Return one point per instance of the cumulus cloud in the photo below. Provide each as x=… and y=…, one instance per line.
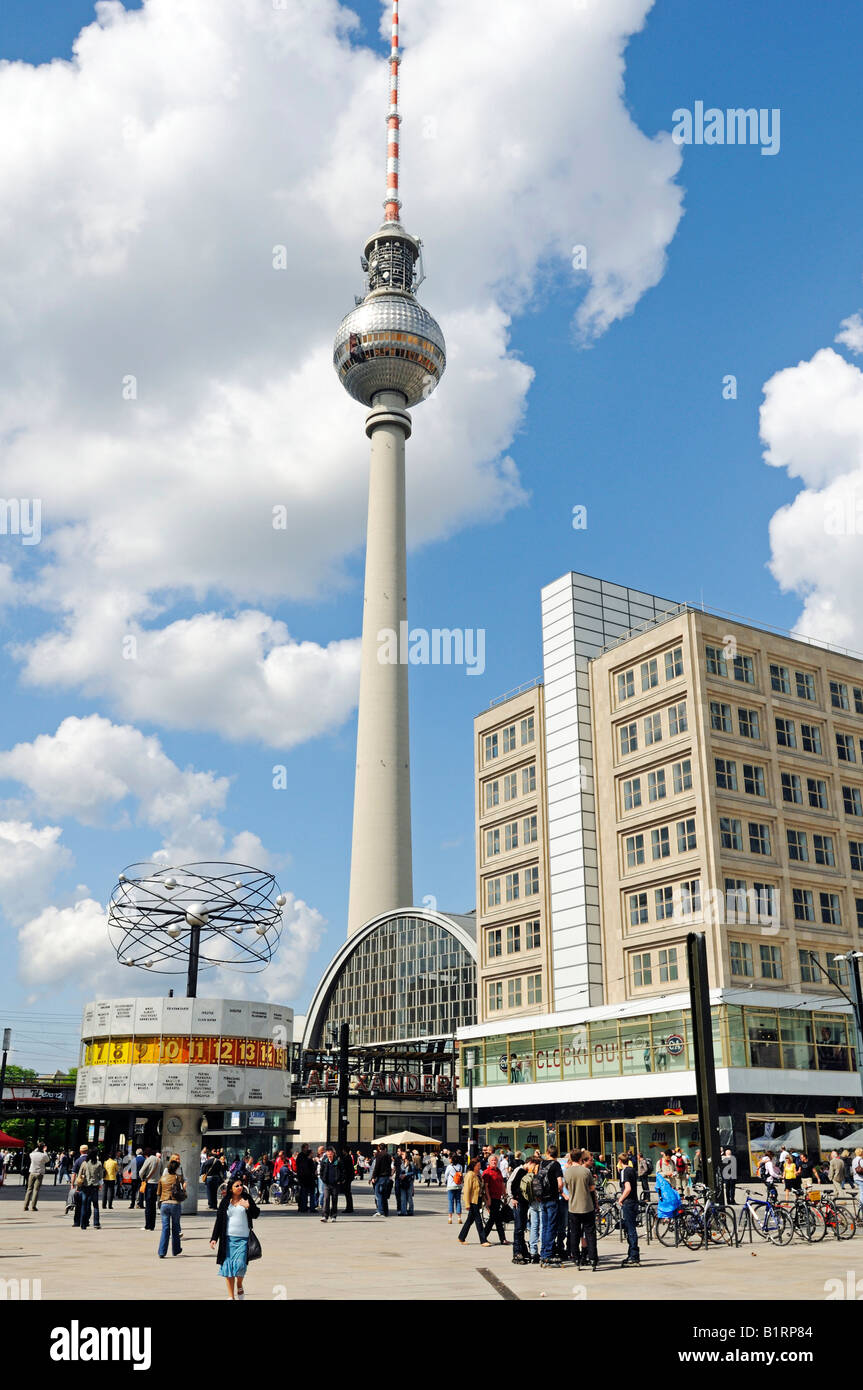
x=851, y=333
x=30, y=859
x=812, y=426
x=147, y=184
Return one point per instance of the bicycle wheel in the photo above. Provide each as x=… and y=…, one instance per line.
x=809, y=1222
x=693, y=1230
x=605, y=1221
x=778, y=1227
x=818, y=1228
x=720, y=1226
x=665, y=1230
x=845, y=1224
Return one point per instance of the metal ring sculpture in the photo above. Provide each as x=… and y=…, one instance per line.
x=231, y=912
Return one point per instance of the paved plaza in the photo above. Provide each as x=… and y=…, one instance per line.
x=401, y=1258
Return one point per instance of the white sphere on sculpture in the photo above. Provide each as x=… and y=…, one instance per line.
x=196, y=915
x=170, y=883
x=281, y=900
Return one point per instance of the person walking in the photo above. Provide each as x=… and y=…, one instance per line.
x=381, y=1180
x=729, y=1175
x=64, y=1167
x=349, y=1172
x=306, y=1179
x=836, y=1171
x=151, y=1171
x=473, y=1199
x=331, y=1180
x=172, y=1194
x=408, y=1178
x=519, y=1203
x=547, y=1186
x=38, y=1164
x=109, y=1187
x=76, y=1187
x=628, y=1203
x=580, y=1186
x=214, y=1176
x=494, y=1190
x=135, y=1165
x=265, y=1178
x=454, y=1179
x=231, y=1235
x=90, y=1177
x=644, y=1170
x=857, y=1175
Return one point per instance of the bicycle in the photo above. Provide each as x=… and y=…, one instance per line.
x=768, y=1219
x=837, y=1219
x=806, y=1218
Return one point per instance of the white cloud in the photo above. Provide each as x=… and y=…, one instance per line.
x=30, y=859
x=64, y=946
x=851, y=333
x=147, y=184
x=812, y=425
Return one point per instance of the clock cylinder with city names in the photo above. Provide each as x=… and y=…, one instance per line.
x=205, y=1053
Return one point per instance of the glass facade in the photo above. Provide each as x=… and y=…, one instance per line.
x=410, y=978
x=798, y=1040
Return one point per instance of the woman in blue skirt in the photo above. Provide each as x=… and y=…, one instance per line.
x=230, y=1237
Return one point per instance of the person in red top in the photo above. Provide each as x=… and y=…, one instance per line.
x=277, y=1166
x=495, y=1192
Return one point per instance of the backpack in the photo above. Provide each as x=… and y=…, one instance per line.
x=680, y=1163
x=857, y=1166
x=458, y=1177
x=526, y=1187
x=541, y=1187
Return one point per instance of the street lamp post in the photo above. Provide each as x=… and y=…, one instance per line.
x=856, y=1001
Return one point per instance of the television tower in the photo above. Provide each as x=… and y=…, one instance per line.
x=389, y=354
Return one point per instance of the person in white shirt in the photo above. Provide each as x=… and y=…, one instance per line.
x=38, y=1164
x=503, y=1165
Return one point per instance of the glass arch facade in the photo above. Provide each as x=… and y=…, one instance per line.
x=408, y=978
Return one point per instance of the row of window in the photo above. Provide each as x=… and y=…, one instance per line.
x=506, y=788
x=811, y=741
x=758, y=840
x=656, y=784
x=643, y=969
x=635, y=846
x=522, y=883
x=814, y=967
x=783, y=680
x=649, y=675
x=739, y=904
x=652, y=726
x=681, y=900
x=515, y=936
x=525, y=989
x=504, y=741
x=501, y=839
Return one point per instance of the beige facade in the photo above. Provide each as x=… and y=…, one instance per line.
x=729, y=784
x=513, y=921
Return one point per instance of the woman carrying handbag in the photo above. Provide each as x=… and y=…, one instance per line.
x=172, y=1194
x=233, y=1239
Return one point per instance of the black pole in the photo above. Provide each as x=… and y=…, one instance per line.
x=857, y=992
x=344, y=1038
x=7, y=1043
x=705, y=1065
x=194, y=947
x=470, y=1107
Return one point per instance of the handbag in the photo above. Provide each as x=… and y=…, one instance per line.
x=254, y=1252
x=143, y=1188
x=178, y=1191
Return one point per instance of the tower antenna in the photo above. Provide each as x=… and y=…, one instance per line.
x=392, y=203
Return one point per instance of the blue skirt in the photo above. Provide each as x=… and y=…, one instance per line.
x=237, y=1258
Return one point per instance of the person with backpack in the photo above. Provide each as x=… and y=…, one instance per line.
x=519, y=1203
x=547, y=1187
x=172, y=1195
x=645, y=1168
x=628, y=1203
x=681, y=1166
x=473, y=1199
x=454, y=1179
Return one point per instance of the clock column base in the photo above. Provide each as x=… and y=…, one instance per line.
x=181, y=1134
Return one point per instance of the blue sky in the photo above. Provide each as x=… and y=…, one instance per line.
x=765, y=264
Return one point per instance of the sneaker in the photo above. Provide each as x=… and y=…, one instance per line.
x=631, y=1264
x=241, y=1293
x=377, y=1215
x=323, y=1219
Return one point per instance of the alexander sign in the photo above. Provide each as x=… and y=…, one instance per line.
x=382, y=1082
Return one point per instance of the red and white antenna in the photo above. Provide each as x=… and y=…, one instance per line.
x=393, y=203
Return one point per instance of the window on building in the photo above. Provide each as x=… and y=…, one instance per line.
x=858, y=699
x=730, y=833
x=491, y=747
x=759, y=838
x=804, y=908
x=652, y=729
x=528, y=779
x=534, y=989
x=513, y=938
x=510, y=786
x=736, y=907
x=682, y=775
x=494, y=945
x=677, y=723
x=511, y=835
x=492, y=794
x=744, y=669
x=531, y=881
x=492, y=842
x=492, y=892
x=686, y=835
x=495, y=995
x=649, y=674
x=720, y=717
x=625, y=685
x=513, y=994
x=825, y=854
x=632, y=794
x=839, y=695
x=716, y=665
x=753, y=780
x=641, y=970
x=817, y=792
x=509, y=738
x=528, y=731
x=637, y=909
x=726, y=774
x=845, y=750
x=810, y=971
x=690, y=897
x=810, y=737
x=852, y=800
x=837, y=971
x=529, y=830
x=531, y=934
x=748, y=722
x=765, y=901
x=668, y=964
x=659, y=843
x=634, y=851
x=804, y=683
x=856, y=849
x=512, y=887
x=785, y=734
x=628, y=739
x=741, y=958
x=831, y=911
x=674, y=663
x=771, y=962
x=656, y=785
x=664, y=902
x=798, y=848
x=791, y=789
x=858, y=904
x=780, y=679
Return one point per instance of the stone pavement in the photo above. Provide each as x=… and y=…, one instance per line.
x=401, y=1258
